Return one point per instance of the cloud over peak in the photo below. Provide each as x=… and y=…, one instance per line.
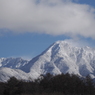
x=54, y=17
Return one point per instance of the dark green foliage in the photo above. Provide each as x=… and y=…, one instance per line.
x=13, y=87
x=2, y=88
x=64, y=84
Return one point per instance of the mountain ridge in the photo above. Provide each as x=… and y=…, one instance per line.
x=14, y=63
x=60, y=57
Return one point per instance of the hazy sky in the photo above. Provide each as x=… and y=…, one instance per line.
x=28, y=27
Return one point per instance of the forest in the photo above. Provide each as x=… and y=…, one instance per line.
x=64, y=84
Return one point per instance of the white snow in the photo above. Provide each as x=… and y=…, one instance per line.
x=60, y=57
x=63, y=57
x=14, y=63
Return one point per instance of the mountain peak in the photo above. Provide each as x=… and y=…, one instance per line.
x=60, y=57
x=64, y=57
x=66, y=44
x=62, y=43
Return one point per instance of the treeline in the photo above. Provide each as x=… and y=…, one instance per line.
x=64, y=84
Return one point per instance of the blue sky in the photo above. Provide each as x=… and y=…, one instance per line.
x=89, y=2
x=27, y=31
x=26, y=45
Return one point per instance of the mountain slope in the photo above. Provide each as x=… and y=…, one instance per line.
x=14, y=63
x=7, y=73
x=62, y=57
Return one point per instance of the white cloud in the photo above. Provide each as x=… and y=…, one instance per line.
x=78, y=43
x=55, y=17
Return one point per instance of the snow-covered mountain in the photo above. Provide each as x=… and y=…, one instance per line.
x=60, y=57
x=14, y=63
x=63, y=57
x=7, y=73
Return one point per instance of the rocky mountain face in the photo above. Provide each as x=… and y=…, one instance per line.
x=60, y=57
